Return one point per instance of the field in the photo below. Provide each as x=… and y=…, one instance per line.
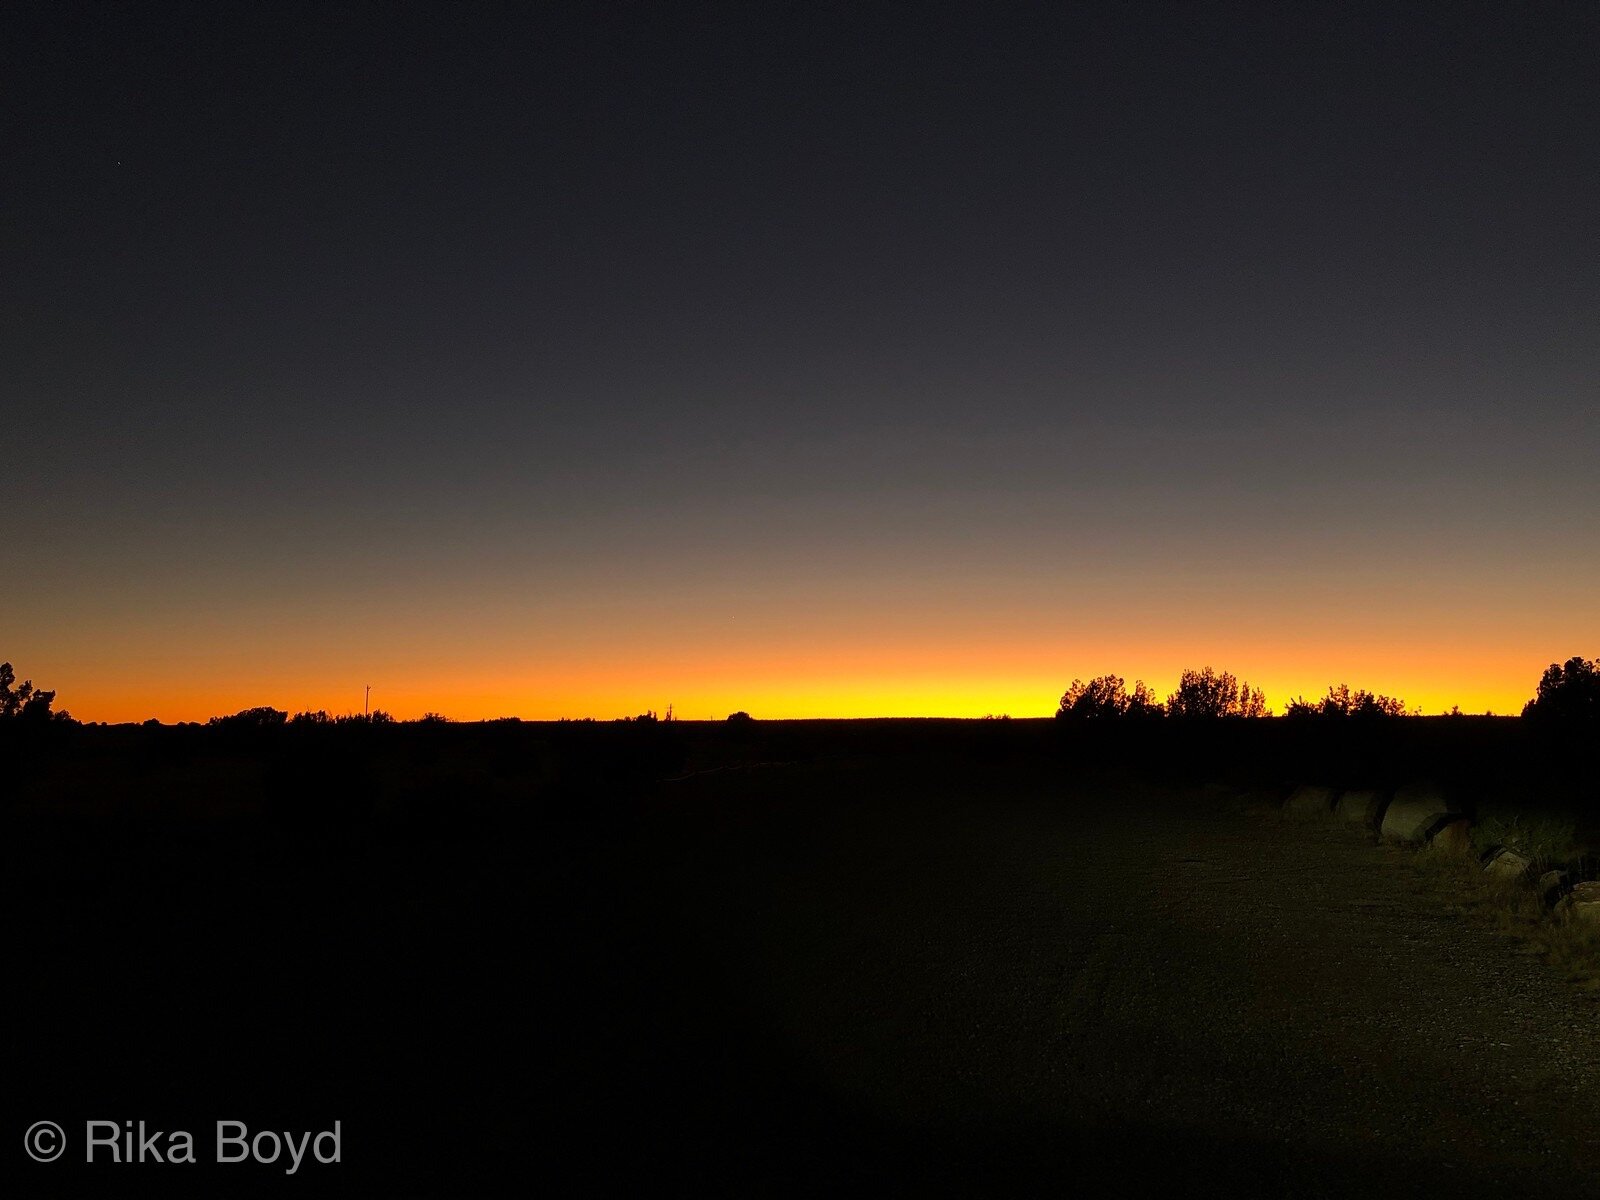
x=783, y=958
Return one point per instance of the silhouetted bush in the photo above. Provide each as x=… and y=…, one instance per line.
x=740, y=718
x=1546, y=839
x=1105, y=696
x=1567, y=692
x=1207, y=694
x=264, y=717
x=1342, y=702
x=26, y=703
x=376, y=717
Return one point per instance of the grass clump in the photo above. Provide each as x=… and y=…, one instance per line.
x=1547, y=841
x=1514, y=909
x=1574, y=949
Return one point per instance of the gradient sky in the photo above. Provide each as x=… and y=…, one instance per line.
x=816, y=360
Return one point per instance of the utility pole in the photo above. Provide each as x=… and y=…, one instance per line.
x=366, y=708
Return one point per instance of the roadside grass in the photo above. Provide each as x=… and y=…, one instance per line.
x=1260, y=801
x=1515, y=910
x=1546, y=841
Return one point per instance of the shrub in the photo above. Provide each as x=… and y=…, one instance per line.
x=1569, y=691
x=1207, y=694
x=26, y=703
x=1106, y=696
x=1342, y=702
x=1547, y=840
x=376, y=717
x=264, y=717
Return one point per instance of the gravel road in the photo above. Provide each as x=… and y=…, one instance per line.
x=884, y=976
x=986, y=985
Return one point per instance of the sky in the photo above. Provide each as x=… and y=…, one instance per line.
x=812, y=360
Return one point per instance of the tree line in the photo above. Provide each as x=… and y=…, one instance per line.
x=1565, y=692
x=1201, y=694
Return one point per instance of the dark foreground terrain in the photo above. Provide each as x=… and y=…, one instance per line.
x=894, y=958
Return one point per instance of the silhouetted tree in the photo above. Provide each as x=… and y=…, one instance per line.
x=1102, y=696
x=376, y=717
x=1208, y=694
x=740, y=718
x=1142, y=702
x=1569, y=691
x=264, y=717
x=1106, y=696
x=1341, y=701
x=26, y=702
x=320, y=717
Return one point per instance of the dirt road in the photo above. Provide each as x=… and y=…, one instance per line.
x=884, y=975
x=980, y=989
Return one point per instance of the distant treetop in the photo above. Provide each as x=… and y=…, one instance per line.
x=267, y=717
x=1341, y=701
x=1104, y=697
x=1208, y=694
x=263, y=717
x=25, y=703
x=1568, y=691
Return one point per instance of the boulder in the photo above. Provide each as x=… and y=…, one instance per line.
x=1552, y=886
x=1416, y=813
x=1582, y=904
x=1508, y=864
x=1360, y=807
x=1455, y=838
x=1308, y=802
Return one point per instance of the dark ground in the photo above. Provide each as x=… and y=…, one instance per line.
x=909, y=959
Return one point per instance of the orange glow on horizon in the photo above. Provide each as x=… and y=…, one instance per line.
x=961, y=684
x=958, y=646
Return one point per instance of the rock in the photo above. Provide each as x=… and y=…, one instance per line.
x=1455, y=838
x=1310, y=802
x=1552, y=886
x=1360, y=807
x=1508, y=864
x=1582, y=904
x=1416, y=813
